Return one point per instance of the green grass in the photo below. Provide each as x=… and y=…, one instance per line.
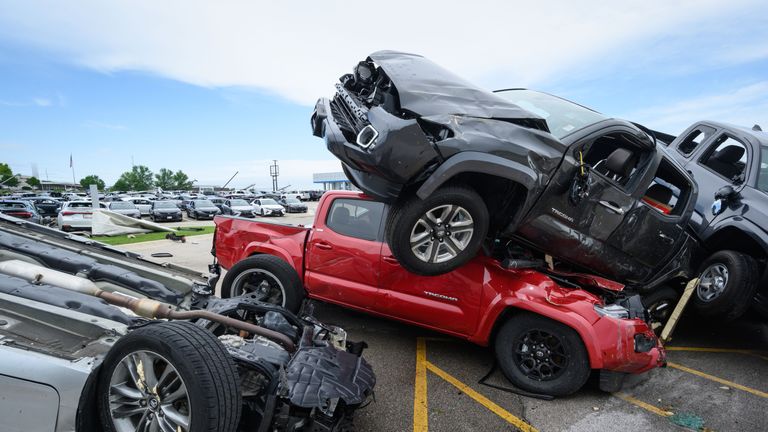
x=138, y=238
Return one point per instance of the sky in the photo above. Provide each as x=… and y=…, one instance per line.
x=214, y=88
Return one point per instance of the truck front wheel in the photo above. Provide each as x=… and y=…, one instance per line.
x=727, y=284
x=541, y=355
x=270, y=278
x=438, y=234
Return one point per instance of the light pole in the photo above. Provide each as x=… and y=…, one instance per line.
x=274, y=171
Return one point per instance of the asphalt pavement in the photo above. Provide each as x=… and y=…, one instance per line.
x=717, y=377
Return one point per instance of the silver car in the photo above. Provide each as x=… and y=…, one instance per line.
x=92, y=338
x=125, y=208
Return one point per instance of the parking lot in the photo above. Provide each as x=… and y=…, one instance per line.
x=716, y=378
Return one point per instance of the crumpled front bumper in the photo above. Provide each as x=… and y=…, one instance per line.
x=400, y=152
x=628, y=346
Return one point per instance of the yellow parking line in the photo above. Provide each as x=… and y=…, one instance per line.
x=717, y=350
x=484, y=401
x=718, y=379
x=420, y=417
x=646, y=406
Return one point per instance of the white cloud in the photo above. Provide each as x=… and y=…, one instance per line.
x=102, y=125
x=42, y=102
x=744, y=106
x=298, y=49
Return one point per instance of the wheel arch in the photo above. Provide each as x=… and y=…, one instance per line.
x=491, y=177
x=266, y=249
x=737, y=238
x=571, y=320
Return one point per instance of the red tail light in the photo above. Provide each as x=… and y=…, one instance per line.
x=21, y=214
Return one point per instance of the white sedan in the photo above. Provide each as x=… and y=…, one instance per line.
x=76, y=215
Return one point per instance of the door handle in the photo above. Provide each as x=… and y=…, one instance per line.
x=612, y=207
x=666, y=238
x=325, y=246
x=390, y=259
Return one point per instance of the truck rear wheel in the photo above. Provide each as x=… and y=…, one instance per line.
x=727, y=284
x=267, y=276
x=439, y=234
x=541, y=355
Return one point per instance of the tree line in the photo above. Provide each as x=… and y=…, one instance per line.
x=138, y=178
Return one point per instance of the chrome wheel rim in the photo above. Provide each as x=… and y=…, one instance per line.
x=147, y=393
x=260, y=285
x=712, y=282
x=442, y=233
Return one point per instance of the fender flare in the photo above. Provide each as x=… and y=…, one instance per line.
x=265, y=249
x=579, y=324
x=477, y=162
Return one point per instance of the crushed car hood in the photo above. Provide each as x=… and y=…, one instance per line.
x=428, y=89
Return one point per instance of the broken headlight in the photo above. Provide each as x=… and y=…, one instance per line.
x=612, y=310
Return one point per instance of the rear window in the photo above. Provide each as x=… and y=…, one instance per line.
x=698, y=136
x=356, y=218
x=121, y=205
x=12, y=206
x=79, y=205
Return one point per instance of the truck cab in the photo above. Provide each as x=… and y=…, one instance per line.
x=730, y=166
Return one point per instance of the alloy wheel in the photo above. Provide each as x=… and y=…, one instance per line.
x=147, y=393
x=441, y=233
x=712, y=282
x=261, y=285
x=540, y=355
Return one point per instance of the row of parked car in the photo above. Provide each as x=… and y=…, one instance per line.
x=77, y=214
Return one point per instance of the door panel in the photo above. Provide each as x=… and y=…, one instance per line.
x=343, y=267
x=450, y=301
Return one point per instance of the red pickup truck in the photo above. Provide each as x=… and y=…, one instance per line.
x=549, y=329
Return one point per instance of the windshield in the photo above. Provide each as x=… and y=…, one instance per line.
x=203, y=203
x=166, y=204
x=292, y=201
x=762, y=176
x=122, y=205
x=238, y=202
x=562, y=116
x=268, y=201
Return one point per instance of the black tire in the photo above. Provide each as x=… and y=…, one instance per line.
x=407, y=214
x=199, y=359
x=563, y=342
x=660, y=303
x=275, y=271
x=739, y=288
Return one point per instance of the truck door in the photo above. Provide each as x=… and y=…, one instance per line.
x=447, y=302
x=655, y=226
x=580, y=209
x=724, y=161
x=343, y=253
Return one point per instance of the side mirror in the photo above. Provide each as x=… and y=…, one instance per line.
x=723, y=197
x=725, y=193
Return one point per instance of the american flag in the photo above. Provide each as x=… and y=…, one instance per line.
x=70, y=160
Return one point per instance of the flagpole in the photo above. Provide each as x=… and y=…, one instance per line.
x=72, y=165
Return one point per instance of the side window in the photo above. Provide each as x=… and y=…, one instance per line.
x=727, y=157
x=670, y=190
x=614, y=156
x=355, y=218
x=698, y=136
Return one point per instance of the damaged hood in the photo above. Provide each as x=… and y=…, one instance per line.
x=428, y=89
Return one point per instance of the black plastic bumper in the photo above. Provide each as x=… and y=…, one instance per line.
x=400, y=153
